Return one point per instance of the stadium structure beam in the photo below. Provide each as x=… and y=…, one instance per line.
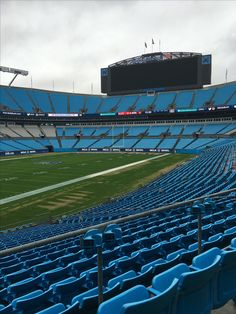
x=102, y=226
x=13, y=71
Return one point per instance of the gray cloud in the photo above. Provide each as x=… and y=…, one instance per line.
x=68, y=41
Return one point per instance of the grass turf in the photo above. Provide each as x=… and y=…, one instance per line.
x=26, y=174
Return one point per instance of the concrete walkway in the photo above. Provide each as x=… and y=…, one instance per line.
x=65, y=183
x=228, y=308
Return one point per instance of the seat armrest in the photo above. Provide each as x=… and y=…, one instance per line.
x=153, y=291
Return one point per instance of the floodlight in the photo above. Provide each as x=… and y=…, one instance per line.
x=13, y=71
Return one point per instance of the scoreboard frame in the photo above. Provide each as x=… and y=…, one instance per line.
x=163, y=61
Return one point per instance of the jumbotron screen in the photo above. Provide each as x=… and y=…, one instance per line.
x=167, y=74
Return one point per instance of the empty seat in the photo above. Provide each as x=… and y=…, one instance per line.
x=18, y=276
x=6, y=309
x=82, y=265
x=121, y=278
x=194, y=294
x=127, y=264
x=34, y=301
x=55, y=275
x=45, y=266
x=23, y=287
x=225, y=288
x=65, y=290
x=11, y=269
x=79, y=298
x=233, y=244
x=144, y=278
x=69, y=258
x=54, y=309
x=115, y=304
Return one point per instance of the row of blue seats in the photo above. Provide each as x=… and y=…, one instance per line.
x=32, y=258
x=143, y=249
x=15, y=98
x=170, y=187
x=21, y=132
x=35, y=233
x=49, y=272
x=190, y=144
x=154, y=227
x=208, y=283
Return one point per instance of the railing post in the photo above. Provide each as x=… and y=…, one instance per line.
x=198, y=209
x=100, y=274
x=199, y=233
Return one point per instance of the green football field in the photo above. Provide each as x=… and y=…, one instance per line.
x=24, y=174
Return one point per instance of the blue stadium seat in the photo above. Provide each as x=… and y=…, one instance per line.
x=195, y=293
x=144, y=278
x=44, y=267
x=228, y=235
x=34, y=301
x=54, y=309
x=92, y=275
x=17, y=276
x=223, y=286
x=79, y=298
x=115, y=305
x=55, y=275
x=6, y=309
x=65, y=290
x=11, y=269
x=23, y=287
x=127, y=264
x=121, y=278
x=233, y=244
x=109, y=255
x=161, y=303
x=71, y=257
x=86, y=263
x=213, y=241
x=89, y=301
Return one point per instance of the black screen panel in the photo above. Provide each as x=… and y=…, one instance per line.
x=167, y=73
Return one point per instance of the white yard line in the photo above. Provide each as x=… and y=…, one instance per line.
x=61, y=184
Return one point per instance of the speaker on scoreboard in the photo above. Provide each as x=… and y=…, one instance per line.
x=104, y=80
x=206, y=69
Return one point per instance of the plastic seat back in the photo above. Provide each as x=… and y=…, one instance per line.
x=31, y=303
x=225, y=287
x=142, y=279
x=119, y=279
x=114, y=305
x=195, y=290
x=163, y=303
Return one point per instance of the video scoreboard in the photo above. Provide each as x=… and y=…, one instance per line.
x=156, y=72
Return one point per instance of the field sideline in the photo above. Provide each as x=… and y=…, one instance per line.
x=27, y=174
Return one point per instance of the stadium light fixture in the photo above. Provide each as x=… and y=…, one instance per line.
x=13, y=71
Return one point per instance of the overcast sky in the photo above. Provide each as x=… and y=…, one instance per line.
x=70, y=40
